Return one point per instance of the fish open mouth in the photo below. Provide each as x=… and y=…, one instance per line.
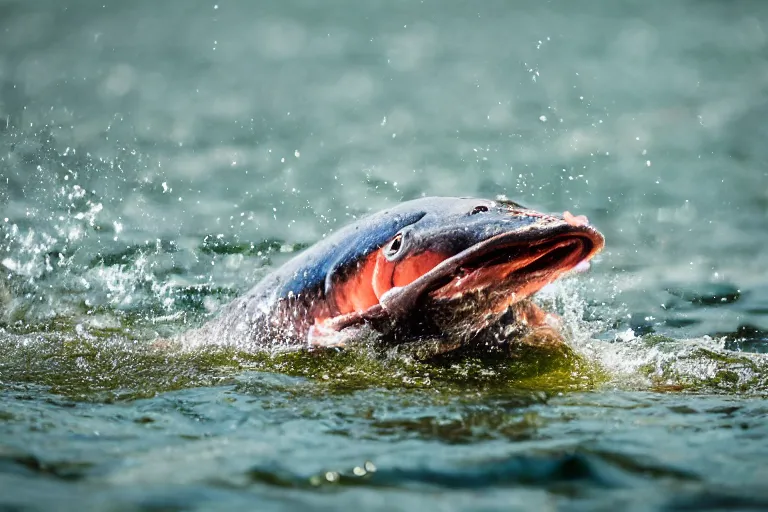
x=523, y=268
x=515, y=264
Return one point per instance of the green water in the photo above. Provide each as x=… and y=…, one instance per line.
x=158, y=158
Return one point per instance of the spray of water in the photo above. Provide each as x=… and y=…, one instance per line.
x=650, y=361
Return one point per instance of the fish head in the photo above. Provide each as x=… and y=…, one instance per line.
x=476, y=257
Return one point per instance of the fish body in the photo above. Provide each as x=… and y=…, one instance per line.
x=435, y=272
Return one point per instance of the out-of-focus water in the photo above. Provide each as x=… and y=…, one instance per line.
x=157, y=158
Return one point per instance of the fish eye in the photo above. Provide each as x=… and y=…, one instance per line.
x=478, y=209
x=394, y=246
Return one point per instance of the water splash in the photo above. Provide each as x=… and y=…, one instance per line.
x=651, y=361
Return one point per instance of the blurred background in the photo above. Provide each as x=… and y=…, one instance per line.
x=172, y=127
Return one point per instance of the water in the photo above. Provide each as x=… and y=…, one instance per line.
x=157, y=159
